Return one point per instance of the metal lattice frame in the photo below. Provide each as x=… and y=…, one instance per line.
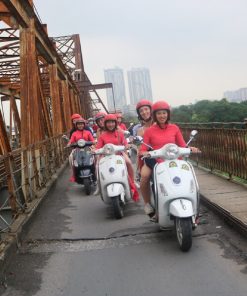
x=69, y=49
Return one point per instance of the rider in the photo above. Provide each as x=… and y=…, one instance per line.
x=99, y=120
x=144, y=112
x=120, y=124
x=78, y=134
x=160, y=133
x=90, y=124
x=74, y=117
x=112, y=135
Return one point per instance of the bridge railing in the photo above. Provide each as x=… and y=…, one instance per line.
x=25, y=174
x=223, y=149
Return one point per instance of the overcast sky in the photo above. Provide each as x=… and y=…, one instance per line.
x=194, y=49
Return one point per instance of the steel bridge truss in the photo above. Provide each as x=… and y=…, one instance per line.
x=40, y=87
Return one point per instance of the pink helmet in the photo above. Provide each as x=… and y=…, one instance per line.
x=75, y=116
x=99, y=115
x=161, y=105
x=80, y=120
x=110, y=117
x=143, y=103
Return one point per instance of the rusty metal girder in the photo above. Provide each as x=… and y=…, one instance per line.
x=26, y=57
x=69, y=49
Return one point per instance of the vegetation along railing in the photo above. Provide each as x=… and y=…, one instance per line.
x=24, y=173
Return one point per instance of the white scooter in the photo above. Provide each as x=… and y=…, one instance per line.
x=113, y=178
x=176, y=192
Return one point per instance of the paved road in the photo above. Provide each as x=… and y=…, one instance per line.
x=75, y=247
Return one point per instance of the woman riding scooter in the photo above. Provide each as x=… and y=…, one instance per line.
x=78, y=134
x=144, y=112
x=121, y=125
x=74, y=118
x=99, y=120
x=160, y=133
x=112, y=135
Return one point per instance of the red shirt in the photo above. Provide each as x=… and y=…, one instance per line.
x=122, y=126
x=78, y=135
x=158, y=137
x=115, y=137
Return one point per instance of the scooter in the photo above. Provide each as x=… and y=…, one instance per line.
x=176, y=192
x=113, y=178
x=83, y=164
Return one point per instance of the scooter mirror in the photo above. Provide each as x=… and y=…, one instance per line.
x=193, y=133
x=126, y=134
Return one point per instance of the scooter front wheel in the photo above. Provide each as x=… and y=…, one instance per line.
x=117, y=207
x=184, y=233
x=87, y=186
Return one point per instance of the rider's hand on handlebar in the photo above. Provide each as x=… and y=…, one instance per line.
x=92, y=149
x=144, y=154
x=195, y=150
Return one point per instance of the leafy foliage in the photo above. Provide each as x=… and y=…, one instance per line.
x=210, y=111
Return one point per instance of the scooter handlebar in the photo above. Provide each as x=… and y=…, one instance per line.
x=109, y=149
x=169, y=151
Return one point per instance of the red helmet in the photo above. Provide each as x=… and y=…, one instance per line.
x=110, y=117
x=119, y=115
x=161, y=105
x=99, y=115
x=80, y=120
x=143, y=103
x=75, y=116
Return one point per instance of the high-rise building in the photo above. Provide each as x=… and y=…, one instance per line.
x=237, y=96
x=139, y=85
x=116, y=77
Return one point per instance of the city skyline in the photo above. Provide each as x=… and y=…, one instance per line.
x=116, y=97
x=139, y=85
x=194, y=49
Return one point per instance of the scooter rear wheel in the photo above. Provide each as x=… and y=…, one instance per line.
x=87, y=186
x=184, y=233
x=117, y=207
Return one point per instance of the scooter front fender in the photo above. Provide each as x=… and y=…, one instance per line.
x=181, y=208
x=115, y=189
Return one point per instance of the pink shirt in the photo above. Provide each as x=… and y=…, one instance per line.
x=115, y=137
x=158, y=137
x=78, y=135
x=122, y=126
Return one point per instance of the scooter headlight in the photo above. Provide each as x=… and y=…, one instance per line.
x=81, y=143
x=108, y=149
x=171, y=151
